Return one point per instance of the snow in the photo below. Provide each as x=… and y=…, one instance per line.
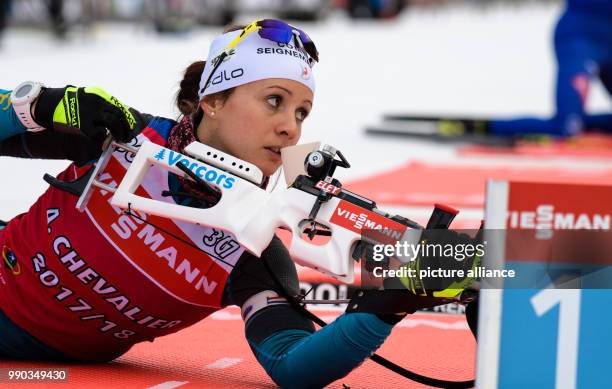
x=457, y=59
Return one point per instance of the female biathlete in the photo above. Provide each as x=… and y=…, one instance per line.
x=87, y=286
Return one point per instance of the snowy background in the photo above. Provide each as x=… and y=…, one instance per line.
x=456, y=60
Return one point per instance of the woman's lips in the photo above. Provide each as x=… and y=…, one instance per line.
x=274, y=152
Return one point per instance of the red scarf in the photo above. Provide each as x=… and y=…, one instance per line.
x=181, y=135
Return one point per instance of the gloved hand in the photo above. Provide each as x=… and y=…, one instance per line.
x=90, y=110
x=447, y=259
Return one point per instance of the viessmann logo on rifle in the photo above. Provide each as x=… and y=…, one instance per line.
x=356, y=219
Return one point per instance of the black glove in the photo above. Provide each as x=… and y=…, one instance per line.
x=449, y=250
x=90, y=110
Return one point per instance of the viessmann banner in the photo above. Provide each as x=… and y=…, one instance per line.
x=546, y=327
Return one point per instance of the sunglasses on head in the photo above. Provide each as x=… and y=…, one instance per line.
x=276, y=31
x=281, y=32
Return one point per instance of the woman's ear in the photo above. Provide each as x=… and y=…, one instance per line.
x=210, y=104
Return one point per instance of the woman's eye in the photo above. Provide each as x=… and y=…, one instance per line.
x=274, y=101
x=301, y=114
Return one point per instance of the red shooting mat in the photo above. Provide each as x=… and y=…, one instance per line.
x=214, y=354
x=588, y=146
x=418, y=183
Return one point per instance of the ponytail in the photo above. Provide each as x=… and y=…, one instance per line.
x=187, y=98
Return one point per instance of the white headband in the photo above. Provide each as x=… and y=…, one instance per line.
x=252, y=59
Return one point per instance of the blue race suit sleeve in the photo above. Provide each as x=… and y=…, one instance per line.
x=300, y=359
x=283, y=340
x=9, y=122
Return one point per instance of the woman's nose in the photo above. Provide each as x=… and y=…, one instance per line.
x=288, y=126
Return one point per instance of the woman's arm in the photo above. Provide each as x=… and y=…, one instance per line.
x=51, y=145
x=283, y=340
x=10, y=124
x=75, y=135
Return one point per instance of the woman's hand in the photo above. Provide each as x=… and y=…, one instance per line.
x=91, y=110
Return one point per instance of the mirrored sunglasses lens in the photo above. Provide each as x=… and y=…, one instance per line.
x=272, y=23
x=281, y=32
x=276, y=34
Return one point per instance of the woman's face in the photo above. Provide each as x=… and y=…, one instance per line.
x=257, y=120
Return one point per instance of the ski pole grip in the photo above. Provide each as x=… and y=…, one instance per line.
x=441, y=217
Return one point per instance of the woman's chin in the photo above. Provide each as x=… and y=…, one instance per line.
x=268, y=171
x=268, y=166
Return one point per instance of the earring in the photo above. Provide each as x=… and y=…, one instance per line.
x=212, y=113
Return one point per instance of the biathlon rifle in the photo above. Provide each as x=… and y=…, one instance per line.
x=315, y=204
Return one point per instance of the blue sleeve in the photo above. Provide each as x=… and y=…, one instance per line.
x=300, y=359
x=9, y=122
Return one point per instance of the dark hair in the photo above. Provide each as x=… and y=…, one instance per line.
x=187, y=98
